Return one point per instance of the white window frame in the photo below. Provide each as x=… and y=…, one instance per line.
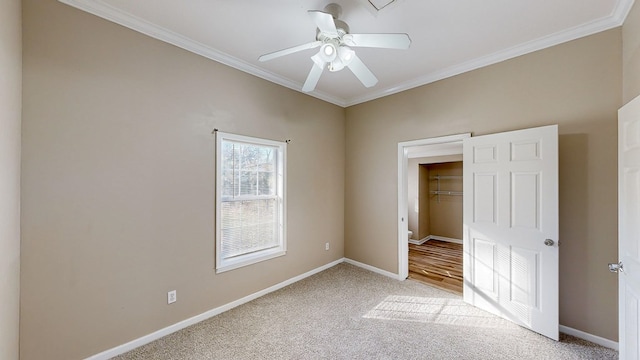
x=238, y=261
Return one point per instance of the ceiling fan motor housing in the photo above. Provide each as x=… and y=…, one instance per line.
x=334, y=9
x=341, y=27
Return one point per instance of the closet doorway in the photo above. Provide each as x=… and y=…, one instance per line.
x=430, y=211
x=435, y=221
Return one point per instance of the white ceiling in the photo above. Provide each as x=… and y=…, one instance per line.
x=448, y=37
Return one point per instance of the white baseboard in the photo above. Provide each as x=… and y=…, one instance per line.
x=420, y=242
x=121, y=349
x=589, y=337
x=435, y=237
x=442, y=238
x=372, y=268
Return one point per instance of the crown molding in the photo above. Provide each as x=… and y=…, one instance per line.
x=615, y=19
x=108, y=12
x=621, y=11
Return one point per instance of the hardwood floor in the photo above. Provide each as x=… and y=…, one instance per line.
x=437, y=263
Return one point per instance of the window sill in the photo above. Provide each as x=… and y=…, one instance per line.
x=246, y=260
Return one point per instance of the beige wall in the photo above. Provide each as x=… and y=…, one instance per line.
x=118, y=182
x=446, y=210
x=577, y=85
x=631, y=54
x=10, y=108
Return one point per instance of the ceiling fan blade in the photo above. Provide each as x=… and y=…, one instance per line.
x=387, y=41
x=324, y=22
x=313, y=77
x=291, y=50
x=362, y=72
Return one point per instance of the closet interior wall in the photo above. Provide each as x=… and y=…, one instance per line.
x=444, y=211
x=429, y=213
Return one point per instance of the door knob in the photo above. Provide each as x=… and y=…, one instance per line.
x=549, y=242
x=614, y=268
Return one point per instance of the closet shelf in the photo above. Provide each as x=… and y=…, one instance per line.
x=439, y=192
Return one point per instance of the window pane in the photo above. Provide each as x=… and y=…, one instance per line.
x=248, y=183
x=232, y=215
x=229, y=157
x=248, y=226
x=229, y=185
x=248, y=169
x=266, y=183
x=267, y=162
x=250, y=157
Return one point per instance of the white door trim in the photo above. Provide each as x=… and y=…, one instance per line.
x=403, y=211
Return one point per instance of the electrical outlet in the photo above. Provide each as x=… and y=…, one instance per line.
x=326, y=246
x=172, y=296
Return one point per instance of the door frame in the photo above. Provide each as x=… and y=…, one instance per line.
x=403, y=211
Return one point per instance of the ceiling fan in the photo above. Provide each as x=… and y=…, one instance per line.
x=335, y=42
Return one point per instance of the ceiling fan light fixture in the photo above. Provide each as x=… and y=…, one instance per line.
x=336, y=65
x=345, y=54
x=344, y=58
x=328, y=52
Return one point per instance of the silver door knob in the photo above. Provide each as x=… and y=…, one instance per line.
x=614, y=268
x=549, y=242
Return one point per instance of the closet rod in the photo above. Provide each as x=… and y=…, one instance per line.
x=440, y=192
x=440, y=177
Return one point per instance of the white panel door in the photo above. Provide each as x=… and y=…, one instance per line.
x=511, y=226
x=629, y=229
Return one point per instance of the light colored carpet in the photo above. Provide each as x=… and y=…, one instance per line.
x=349, y=313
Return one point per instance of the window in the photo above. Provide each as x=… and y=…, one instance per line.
x=250, y=207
